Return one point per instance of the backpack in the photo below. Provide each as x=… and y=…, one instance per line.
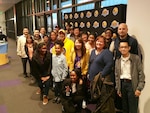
x=95, y=87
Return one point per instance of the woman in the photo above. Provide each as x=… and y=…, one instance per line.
x=42, y=64
x=79, y=57
x=90, y=45
x=73, y=92
x=53, y=38
x=30, y=47
x=101, y=61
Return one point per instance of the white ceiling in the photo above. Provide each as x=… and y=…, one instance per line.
x=6, y=4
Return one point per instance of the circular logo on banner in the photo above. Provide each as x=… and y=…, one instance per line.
x=95, y=24
x=114, y=24
x=66, y=16
x=66, y=23
x=105, y=12
x=81, y=14
x=115, y=11
x=88, y=14
x=96, y=13
x=82, y=24
x=71, y=23
x=70, y=16
x=88, y=24
x=76, y=15
x=76, y=24
x=104, y=24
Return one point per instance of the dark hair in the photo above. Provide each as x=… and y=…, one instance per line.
x=45, y=35
x=126, y=41
x=105, y=43
x=94, y=34
x=84, y=33
x=83, y=49
x=78, y=72
x=76, y=28
x=59, y=42
x=40, y=45
x=29, y=36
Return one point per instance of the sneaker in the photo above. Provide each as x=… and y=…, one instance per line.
x=55, y=99
x=45, y=100
x=38, y=91
x=84, y=104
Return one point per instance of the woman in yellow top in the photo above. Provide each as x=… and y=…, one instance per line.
x=79, y=57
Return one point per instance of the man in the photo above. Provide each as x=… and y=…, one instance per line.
x=21, y=49
x=68, y=44
x=42, y=32
x=130, y=78
x=123, y=35
x=37, y=37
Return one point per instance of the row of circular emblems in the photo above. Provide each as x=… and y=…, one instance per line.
x=76, y=15
x=114, y=24
x=105, y=12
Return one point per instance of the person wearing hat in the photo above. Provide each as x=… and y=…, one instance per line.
x=108, y=35
x=68, y=44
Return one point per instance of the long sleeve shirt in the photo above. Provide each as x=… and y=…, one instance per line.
x=59, y=67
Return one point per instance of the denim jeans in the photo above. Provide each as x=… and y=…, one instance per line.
x=44, y=86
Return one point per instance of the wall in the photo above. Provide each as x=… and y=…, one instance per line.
x=2, y=22
x=138, y=21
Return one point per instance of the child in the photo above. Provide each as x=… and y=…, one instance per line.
x=59, y=69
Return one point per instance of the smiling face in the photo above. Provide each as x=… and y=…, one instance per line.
x=78, y=45
x=53, y=36
x=100, y=43
x=73, y=76
x=43, y=50
x=124, y=48
x=122, y=30
x=58, y=49
x=91, y=39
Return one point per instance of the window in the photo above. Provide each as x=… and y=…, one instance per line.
x=86, y=6
x=65, y=3
x=54, y=17
x=49, y=26
x=107, y=3
x=54, y=6
x=47, y=5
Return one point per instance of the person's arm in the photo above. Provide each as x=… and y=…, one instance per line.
x=117, y=78
x=141, y=75
x=85, y=70
x=108, y=63
x=19, y=47
x=65, y=69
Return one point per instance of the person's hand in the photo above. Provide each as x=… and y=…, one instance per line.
x=119, y=93
x=137, y=93
x=67, y=88
x=45, y=78
x=80, y=81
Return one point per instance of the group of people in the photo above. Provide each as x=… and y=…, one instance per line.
x=70, y=59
